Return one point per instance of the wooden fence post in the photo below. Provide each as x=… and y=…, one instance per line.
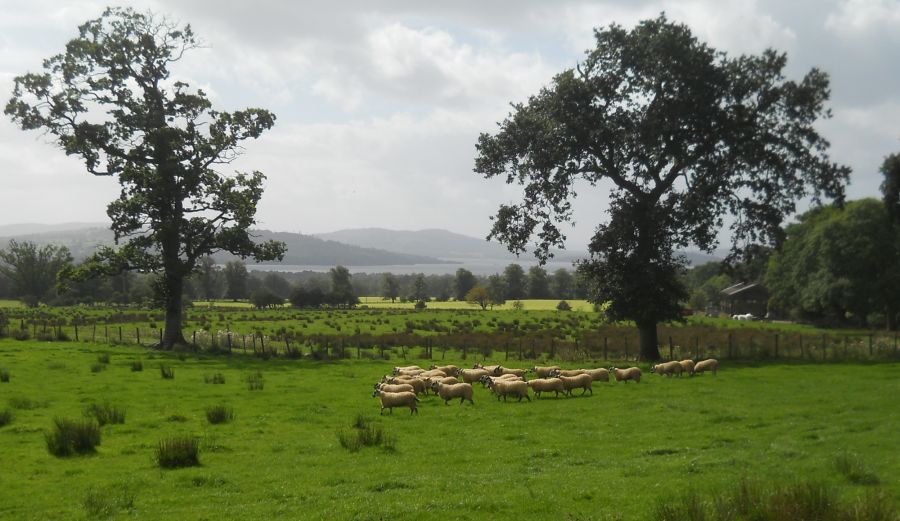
x=823, y=346
x=76, y=332
x=626, y=347
x=671, y=349
x=120, y=334
x=871, y=352
x=137, y=334
x=605, y=347
x=730, y=345
x=776, y=345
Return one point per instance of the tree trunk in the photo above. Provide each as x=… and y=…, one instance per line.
x=173, y=336
x=649, y=342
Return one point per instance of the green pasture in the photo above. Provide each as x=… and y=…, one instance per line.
x=610, y=455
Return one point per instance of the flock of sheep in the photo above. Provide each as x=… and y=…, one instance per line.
x=449, y=382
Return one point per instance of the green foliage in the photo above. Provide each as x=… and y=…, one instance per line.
x=255, y=381
x=178, y=452
x=890, y=187
x=563, y=306
x=167, y=371
x=125, y=115
x=749, y=500
x=463, y=283
x=32, y=270
x=839, y=265
x=69, y=437
x=217, y=378
x=479, y=296
x=686, y=134
x=105, y=413
x=264, y=298
x=855, y=469
x=219, y=414
x=236, y=278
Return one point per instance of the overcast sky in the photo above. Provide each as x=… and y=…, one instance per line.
x=379, y=104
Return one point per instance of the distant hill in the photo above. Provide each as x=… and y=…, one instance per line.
x=302, y=249
x=14, y=230
x=449, y=245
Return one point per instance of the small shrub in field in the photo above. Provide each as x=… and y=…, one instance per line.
x=349, y=439
x=219, y=414
x=103, y=358
x=137, y=366
x=363, y=432
x=255, y=381
x=217, y=378
x=173, y=453
x=563, y=306
x=67, y=437
x=855, y=469
x=6, y=417
x=4, y=375
x=101, y=503
x=167, y=371
x=98, y=367
x=105, y=413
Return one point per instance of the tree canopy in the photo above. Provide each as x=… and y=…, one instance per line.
x=110, y=99
x=32, y=269
x=685, y=134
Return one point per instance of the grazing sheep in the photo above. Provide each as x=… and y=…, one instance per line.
x=567, y=372
x=443, y=379
x=487, y=379
x=710, y=364
x=408, y=372
x=544, y=371
x=600, y=374
x=623, y=375
x=687, y=366
x=540, y=385
x=395, y=388
x=432, y=373
x=503, y=371
x=582, y=381
x=450, y=370
x=488, y=368
x=391, y=400
x=505, y=387
x=472, y=375
x=667, y=368
x=399, y=370
x=417, y=383
x=462, y=391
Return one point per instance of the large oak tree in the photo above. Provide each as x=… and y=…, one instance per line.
x=686, y=136
x=110, y=99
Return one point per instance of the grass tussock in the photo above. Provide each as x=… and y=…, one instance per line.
x=6, y=417
x=69, y=437
x=852, y=467
x=752, y=501
x=103, y=358
x=103, y=503
x=4, y=375
x=255, y=381
x=167, y=371
x=24, y=403
x=173, y=453
x=363, y=432
x=98, y=367
x=219, y=414
x=137, y=366
x=217, y=378
x=105, y=413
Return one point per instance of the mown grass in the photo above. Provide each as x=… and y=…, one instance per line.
x=618, y=452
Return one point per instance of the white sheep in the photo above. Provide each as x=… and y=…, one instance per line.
x=432, y=373
x=391, y=400
x=408, y=372
x=623, y=375
x=567, y=372
x=668, y=368
x=472, y=375
x=502, y=371
x=443, y=379
x=417, y=383
x=582, y=381
x=544, y=371
x=599, y=374
x=395, y=388
x=488, y=368
x=463, y=391
x=710, y=364
x=450, y=370
x=405, y=368
x=687, y=366
x=487, y=379
x=541, y=385
x=505, y=387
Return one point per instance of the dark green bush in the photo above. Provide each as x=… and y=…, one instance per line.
x=103, y=358
x=137, y=366
x=179, y=452
x=68, y=437
x=105, y=413
x=167, y=371
x=219, y=414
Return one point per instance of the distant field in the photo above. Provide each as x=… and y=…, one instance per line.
x=10, y=304
x=618, y=452
x=527, y=304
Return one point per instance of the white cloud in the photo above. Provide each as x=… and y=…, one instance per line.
x=853, y=17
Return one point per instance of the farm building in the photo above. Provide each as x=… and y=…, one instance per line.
x=744, y=298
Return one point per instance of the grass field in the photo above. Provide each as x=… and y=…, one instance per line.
x=618, y=452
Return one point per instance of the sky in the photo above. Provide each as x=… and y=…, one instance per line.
x=379, y=104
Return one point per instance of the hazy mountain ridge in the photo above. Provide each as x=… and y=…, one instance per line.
x=302, y=249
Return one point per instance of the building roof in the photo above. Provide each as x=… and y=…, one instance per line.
x=741, y=287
